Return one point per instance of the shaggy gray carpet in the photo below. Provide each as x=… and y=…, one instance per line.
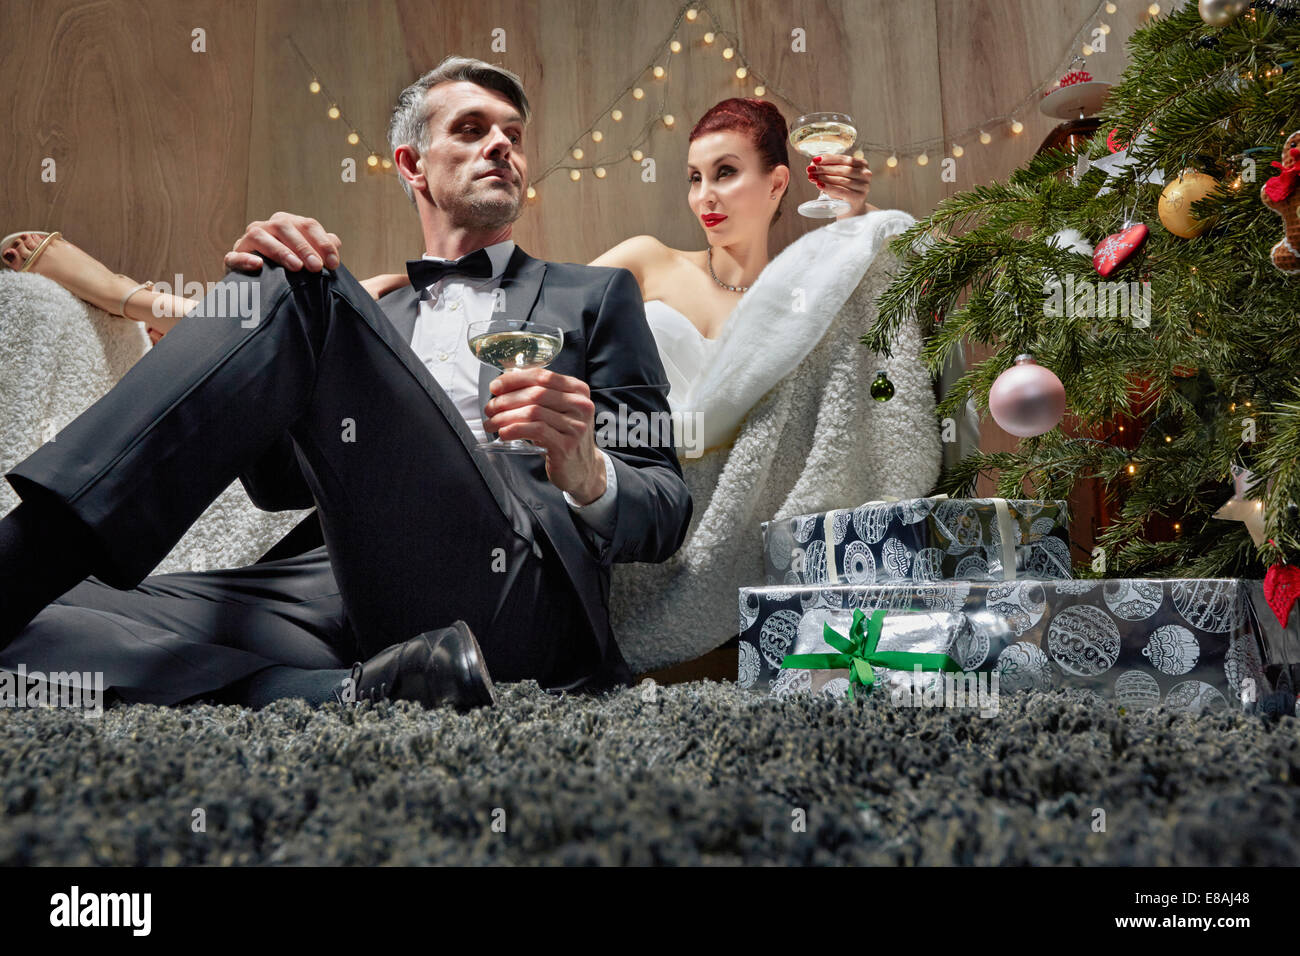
x=702, y=773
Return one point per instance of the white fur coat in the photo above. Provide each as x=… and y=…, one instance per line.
x=792, y=388
x=58, y=355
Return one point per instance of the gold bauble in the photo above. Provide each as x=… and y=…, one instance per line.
x=1219, y=13
x=1176, y=203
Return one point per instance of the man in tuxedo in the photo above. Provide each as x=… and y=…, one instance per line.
x=437, y=564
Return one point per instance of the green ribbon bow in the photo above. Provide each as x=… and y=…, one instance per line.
x=858, y=652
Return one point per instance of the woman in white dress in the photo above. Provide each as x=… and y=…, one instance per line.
x=767, y=378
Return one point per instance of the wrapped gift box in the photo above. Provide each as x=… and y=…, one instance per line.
x=1189, y=645
x=920, y=540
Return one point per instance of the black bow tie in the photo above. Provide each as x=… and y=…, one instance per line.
x=425, y=272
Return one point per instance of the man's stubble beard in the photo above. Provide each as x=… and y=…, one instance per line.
x=473, y=211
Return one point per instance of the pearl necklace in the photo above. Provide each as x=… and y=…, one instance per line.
x=729, y=288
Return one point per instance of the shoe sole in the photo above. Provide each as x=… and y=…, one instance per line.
x=479, y=660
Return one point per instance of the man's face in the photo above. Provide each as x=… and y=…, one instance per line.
x=474, y=164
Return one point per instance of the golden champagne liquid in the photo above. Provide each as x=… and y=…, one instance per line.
x=819, y=139
x=515, y=349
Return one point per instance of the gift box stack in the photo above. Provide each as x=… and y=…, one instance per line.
x=978, y=591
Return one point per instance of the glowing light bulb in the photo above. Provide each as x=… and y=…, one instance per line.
x=314, y=86
x=531, y=193
x=1154, y=9
x=1087, y=49
x=372, y=160
x=985, y=138
x=891, y=162
x=1017, y=127
x=859, y=154
x=600, y=172
x=728, y=53
x=638, y=93
x=353, y=138
x=597, y=136
x=616, y=116
x=957, y=149
x=675, y=46
x=333, y=112
x=691, y=14
x=669, y=120
x=659, y=72
x=637, y=155
x=1105, y=29
x=922, y=160
x=1111, y=8
x=741, y=72
x=575, y=174
x=760, y=90
x=577, y=153
x=708, y=37
x=1132, y=469
x=386, y=163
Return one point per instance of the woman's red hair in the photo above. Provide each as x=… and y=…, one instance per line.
x=761, y=122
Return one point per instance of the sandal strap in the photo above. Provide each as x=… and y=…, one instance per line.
x=121, y=306
x=31, y=260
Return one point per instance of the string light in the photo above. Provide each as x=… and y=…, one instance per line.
x=372, y=160
x=531, y=193
x=1154, y=10
x=731, y=52
x=386, y=163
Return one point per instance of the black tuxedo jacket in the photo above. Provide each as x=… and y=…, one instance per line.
x=607, y=344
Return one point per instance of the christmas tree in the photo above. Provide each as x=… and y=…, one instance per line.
x=1195, y=378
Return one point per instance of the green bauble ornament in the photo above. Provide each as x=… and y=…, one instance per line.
x=882, y=389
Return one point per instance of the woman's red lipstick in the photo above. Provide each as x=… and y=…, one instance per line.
x=711, y=219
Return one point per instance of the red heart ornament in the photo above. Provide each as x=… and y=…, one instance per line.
x=1282, y=589
x=1113, y=251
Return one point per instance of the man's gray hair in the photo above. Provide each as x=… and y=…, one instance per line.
x=410, y=123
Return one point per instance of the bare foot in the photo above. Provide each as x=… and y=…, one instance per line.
x=79, y=272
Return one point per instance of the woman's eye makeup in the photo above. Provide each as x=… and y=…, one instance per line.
x=722, y=169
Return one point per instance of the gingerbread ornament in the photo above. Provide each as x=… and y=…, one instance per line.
x=1282, y=195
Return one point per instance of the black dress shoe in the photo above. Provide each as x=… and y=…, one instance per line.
x=437, y=668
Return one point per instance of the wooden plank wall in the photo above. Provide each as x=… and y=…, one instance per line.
x=164, y=153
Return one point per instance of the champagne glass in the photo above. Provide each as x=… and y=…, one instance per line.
x=819, y=134
x=514, y=343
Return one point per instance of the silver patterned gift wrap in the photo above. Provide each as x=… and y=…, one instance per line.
x=920, y=540
x=1190, y=645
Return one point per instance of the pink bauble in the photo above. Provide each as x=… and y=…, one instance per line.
x=1027, y=399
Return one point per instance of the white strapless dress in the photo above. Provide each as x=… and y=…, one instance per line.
x=684, y=350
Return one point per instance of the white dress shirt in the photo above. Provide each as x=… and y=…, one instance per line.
x=440, y=341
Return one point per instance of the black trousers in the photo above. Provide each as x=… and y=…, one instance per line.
x=419, y=527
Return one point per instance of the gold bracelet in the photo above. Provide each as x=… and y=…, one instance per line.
x=121, y=306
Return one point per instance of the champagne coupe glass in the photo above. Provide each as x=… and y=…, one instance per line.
x=819, y=134
x=514, y=343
